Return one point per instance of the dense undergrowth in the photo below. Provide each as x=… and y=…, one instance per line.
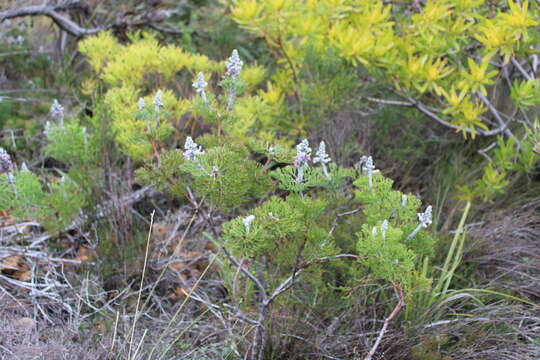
x=276, y=180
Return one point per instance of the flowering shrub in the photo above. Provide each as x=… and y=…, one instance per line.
x=22, y=193
x=57, y=203
x=144, y=69
x=449, y=59
x=285, y=214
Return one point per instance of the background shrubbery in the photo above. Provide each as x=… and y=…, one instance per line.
x=270, y=179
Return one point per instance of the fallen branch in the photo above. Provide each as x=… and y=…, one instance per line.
x=54, y=12
x=38, y=255
x=101, y=211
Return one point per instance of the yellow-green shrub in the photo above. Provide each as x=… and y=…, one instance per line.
x=144, y=66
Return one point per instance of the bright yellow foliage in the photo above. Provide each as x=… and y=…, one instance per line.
x=100, y=49
x=143, y=66
x=423, y=54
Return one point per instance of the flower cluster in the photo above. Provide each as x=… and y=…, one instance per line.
x=191, y=149
x=234, y=65
x=303, y=153
x=369, y=168
x=5, y=162
x=199, y=85
x=425, y=218
x=367, y=164
x=57, y=111
x=141, y=104
x=384, y=228
x=322, y=157
x=247, y=222
x=404, y=200
x=157, y=100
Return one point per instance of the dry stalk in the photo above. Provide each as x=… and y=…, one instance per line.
x=137, y=313
x=399, y=306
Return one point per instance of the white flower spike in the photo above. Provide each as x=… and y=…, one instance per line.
x=142, y=104
x=199, y=85
x=425, y=219
x=234, y=64
x=191, y=149
x=404, y=200
x=303, y=155
x=157, y=102
x=57, y=112
x=369, y=168
x=247, y=222
x=322, y=157
x=5, y=161
x=384, y=228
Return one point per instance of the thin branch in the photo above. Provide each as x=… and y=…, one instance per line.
x=39, y=255
x=497, y=116
x=165, y=30
x=432, y=115
x=245, y=271
x=390, y=102
x=25, y=52
x=522, y=70
x=484, y=151
x=137, y=313
x=349, y=212
x=65, y=23
x=285, y=285
x=335, y=223
x=240, y=315
x=417, y=104
x=399, y=306
x=51, y=12
x=423, y=108
x=259, y=338
x=101, y=211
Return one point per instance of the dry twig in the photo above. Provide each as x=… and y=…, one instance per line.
x=399, y=306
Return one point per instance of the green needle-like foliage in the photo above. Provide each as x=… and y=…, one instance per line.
x=54, y=208
x=386, y=256
x=227, y=177
x=282, y=231
x=71, y=144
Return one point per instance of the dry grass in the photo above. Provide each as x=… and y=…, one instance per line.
x=64, y=312
x=509, y=255
x=73, y=316
x=23, y=338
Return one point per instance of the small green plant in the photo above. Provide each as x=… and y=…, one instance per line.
x=54, y=205
x=56, y=202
